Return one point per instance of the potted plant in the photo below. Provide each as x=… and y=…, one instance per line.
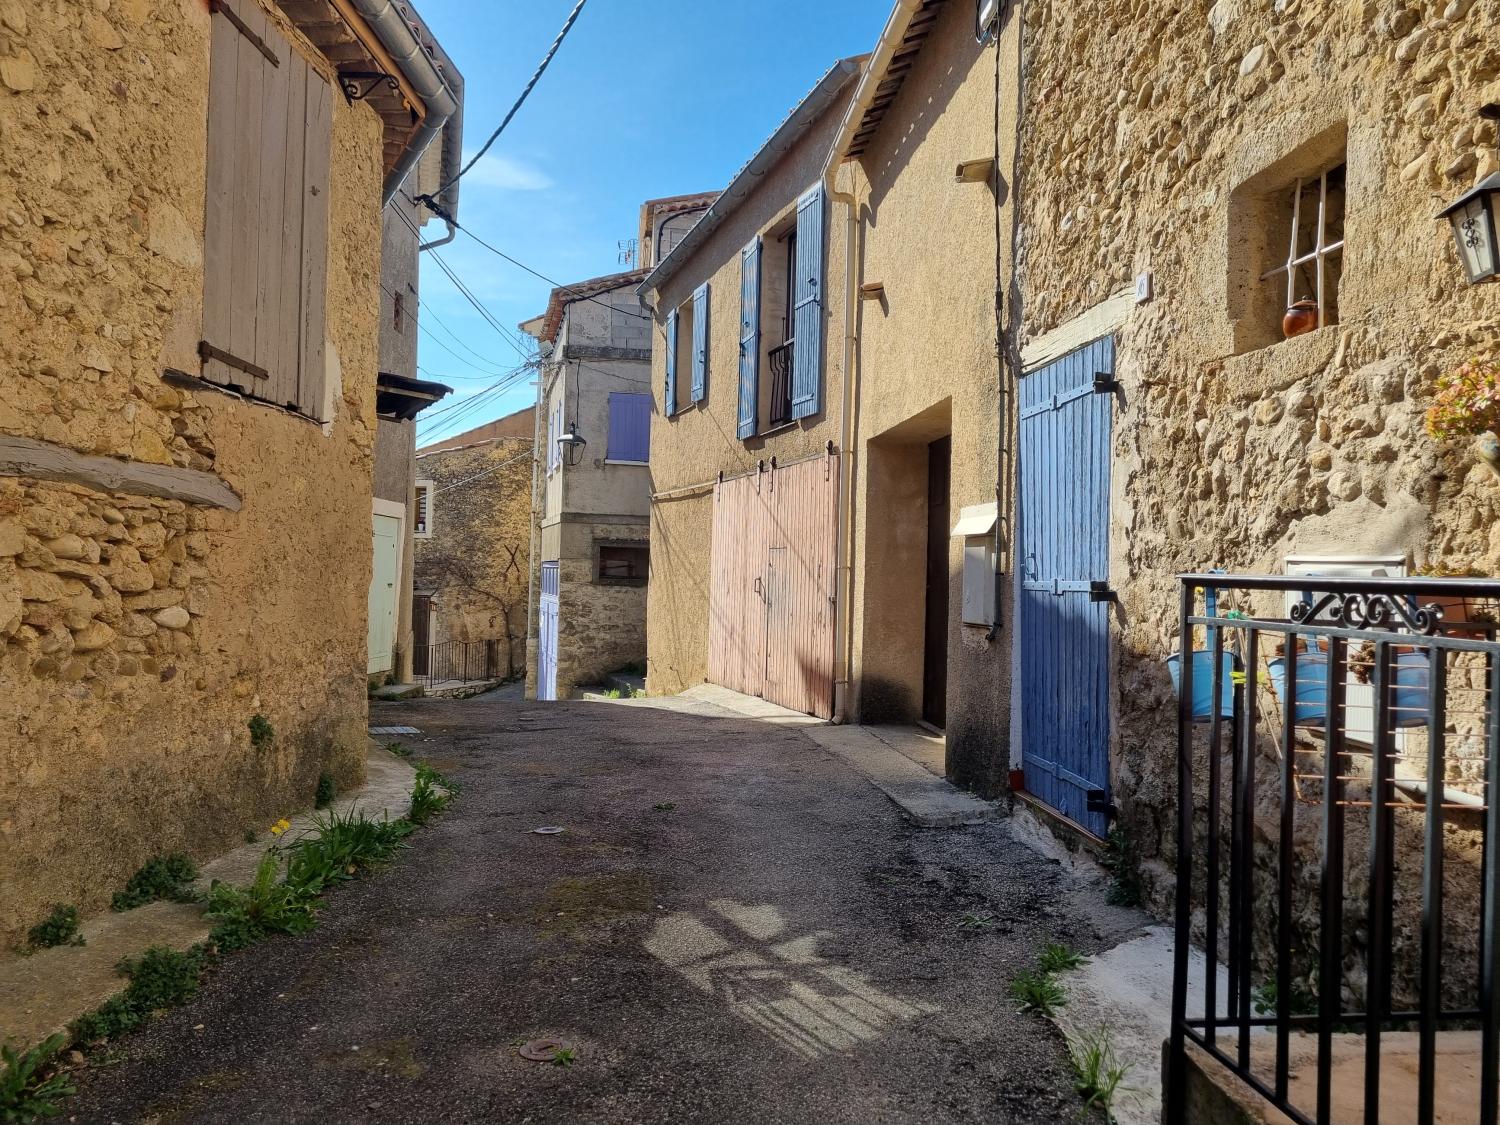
x=1412, y=672
x=1203, y=671
x=1467, y=404
x=1311, y=693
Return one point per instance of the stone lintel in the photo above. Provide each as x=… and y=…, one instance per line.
x=584, y=351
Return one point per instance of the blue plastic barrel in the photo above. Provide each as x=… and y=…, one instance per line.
x=1203, y=683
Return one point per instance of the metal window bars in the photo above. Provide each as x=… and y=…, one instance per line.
x=780, y=406
x=1320, y=252
x=1350, y=867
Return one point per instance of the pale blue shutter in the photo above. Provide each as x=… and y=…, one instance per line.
x=700, y=343
x=749, y=338
x=671, y=403
x=807, y=308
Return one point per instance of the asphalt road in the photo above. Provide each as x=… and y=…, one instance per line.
x=732, y=927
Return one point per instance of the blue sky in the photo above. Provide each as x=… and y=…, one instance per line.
x=635, y=106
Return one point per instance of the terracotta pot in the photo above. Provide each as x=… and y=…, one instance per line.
x=1455, y=612
x=1300, y=317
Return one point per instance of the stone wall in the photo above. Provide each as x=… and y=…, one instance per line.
x=476, y=563
x=139, y=635
x=1162, y=138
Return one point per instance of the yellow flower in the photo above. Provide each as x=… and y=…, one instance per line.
x=280, y=826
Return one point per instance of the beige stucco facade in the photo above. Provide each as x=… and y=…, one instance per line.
x=141, y=634
x=1232, y=447
x=691, y=447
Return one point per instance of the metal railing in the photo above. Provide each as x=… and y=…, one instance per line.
x=780, y=406
x=1338, y=901
x=457, y=662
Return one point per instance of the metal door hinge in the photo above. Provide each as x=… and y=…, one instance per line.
x=1097, y=801
x=1100, y=592
x=1105, y=384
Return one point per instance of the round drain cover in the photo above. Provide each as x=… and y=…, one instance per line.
x=548, y=830
x=543, y=1050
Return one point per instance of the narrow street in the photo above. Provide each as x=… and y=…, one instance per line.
x=733, y=926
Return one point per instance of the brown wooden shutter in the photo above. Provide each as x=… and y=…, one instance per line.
x=265, y=244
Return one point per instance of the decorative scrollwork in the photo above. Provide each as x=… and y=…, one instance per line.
x=1369, y=611
x=349, y=81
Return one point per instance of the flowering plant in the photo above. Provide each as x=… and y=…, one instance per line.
x=1467, y=401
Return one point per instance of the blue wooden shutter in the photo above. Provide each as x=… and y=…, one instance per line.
x=749, y=338
x=670, y=406
x=807, y=307
x=700, y=343
x=629, y=427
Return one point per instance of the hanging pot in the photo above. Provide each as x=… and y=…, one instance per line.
x=1301, y=317
x=1412, y=672
x=1311, y=689
x=1203, y=683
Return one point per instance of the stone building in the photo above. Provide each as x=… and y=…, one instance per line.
x=665, y=222
x=187, y=419
x=473, y=544
x=592, y=486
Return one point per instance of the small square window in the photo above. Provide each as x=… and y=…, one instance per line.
x=421, y=523
x=1305, y=286
x=622, y=564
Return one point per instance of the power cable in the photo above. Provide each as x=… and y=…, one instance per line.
x=520, y=101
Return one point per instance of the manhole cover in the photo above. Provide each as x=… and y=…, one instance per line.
x=548, y=830
x=543, y=1050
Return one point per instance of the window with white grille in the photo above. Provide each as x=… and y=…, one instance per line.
x=1313, y=219
x=421, y=523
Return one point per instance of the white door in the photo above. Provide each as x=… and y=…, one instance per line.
x=384, y=577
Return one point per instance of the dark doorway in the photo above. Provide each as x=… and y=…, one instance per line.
x=421, y=632
x=935, y=639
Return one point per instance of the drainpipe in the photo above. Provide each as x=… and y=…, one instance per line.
x=534, y=536
x=864, y=95
x=447, y=238
x=418, y=68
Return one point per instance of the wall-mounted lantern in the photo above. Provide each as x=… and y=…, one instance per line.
x=571, y=445
x=1473, y=219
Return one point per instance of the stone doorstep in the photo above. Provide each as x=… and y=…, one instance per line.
x=930, y=801
x=42, y=993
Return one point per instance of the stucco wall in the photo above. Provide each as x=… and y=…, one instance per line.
x=698, y=442
x=1226, y=454
x=123, y=727
x=929, y=365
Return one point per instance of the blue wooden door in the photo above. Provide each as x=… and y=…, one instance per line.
x=1066, y=420
x=546, y=656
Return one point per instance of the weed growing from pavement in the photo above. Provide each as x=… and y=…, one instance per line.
x=1038, y=992
x=564, y=1056
x=431, y=794
x=262, y=733
x=1304, y=1002
x=325, y=793
x=614, y=693
x=1097, y=1070
x=973, y=921
x=1119, y=861
x=1058, y=958
x=58, y=928
x=160, y=877
x=30, y=1082
x=342, y=847
x=244, y=915
x=159, y=978
x=665, y=806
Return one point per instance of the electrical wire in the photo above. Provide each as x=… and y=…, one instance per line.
x=520, y=101
x=537, y=273
x=480, y=476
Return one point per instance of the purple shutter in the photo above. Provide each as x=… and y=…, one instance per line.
x=629, y=427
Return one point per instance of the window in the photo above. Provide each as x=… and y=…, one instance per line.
x=270, y=121
x=1313, y=217
x=421, y=523
x=554, y=431
x=629, y=428
x=621, y=563
x=781, y=321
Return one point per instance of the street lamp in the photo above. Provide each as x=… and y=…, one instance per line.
x=1473, y=219
x=572, y=445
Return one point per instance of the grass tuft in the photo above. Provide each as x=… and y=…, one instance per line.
x=58, y=928
x=160, y=877
x=1119, y=860
x=325, y=793
x=342, y=847
x=244, y=915
x=262, y=733
x=1038, y=992
x=1058, y=958
x=30, y=1083
x=1097, y=1070
x=430, y=795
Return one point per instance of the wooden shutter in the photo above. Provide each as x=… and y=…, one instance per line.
x=700, y=343
x=807, y=307
x=671, y=403
x=270, y=125
x=629, y=427
x=749, y=338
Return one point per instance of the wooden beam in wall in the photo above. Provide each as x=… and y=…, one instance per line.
x=23, y=457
